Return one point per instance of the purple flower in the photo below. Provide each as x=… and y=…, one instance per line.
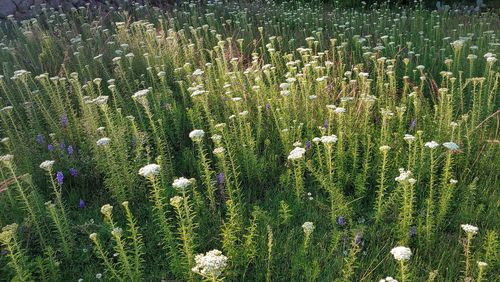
x=70, y=150
x=81, y=204
x=325, y=125
x=220, y=179
x=64, y=120
x=73, y=171
x=62, y=145
x=308, y=145
x=50, y=147
x=268, y=107
x=60, y=177
x=413, y=123
x=40, y=139
x=341, y=220
x=413, y=231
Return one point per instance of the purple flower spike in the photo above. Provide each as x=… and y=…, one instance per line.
x=325, y=125
x=413, y=124
x=73, y=171
x=413, y=231
x=62, y=145
x=64, y=120
x=60, y=178
x=40, y=139
x=81, y=204
x=220, y=179
x=70, y=150
x=268, y=107
x=50, y=147
x=308, y=145
x=341, y=220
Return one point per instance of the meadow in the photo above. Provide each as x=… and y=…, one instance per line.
x=250, y=141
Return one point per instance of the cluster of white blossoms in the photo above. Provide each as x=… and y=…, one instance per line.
x=308, y=227
x=211, y=264
x=103, y=141
x=196, y=135
x=405, y=177
x=107, y=209
x=469, y=229
x=181, y=183
x=47, y=165
x=149, y=170
x=140, y=94
x=401, y=253
x=431, y=144
x=384, y=148
x=6, y=158
x=388, y=279
x=450, y=146
x=330, y=139
x=297, y=153
x=409, y=138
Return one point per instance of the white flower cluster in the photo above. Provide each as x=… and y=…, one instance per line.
x=431, y=144
x=149, y=170
x=103, y=141
x=308, y=227
x=451, y=146
x=405, y=177
x=388, y=279
x=47, y=165
x=469, y=229
x=181, y=183
x=297, y=153
x=6, y=158
x=211, y=264
x=328, y=139
x=401, y=253
x=196, y=135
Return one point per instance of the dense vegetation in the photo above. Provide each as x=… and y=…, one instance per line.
x=250, y=142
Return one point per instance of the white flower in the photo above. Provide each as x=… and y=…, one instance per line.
x=181, y=183
x=308, y=227
x=339, y=110
x=117, y=232
x=297, y=153
x=401, y=253
x=404, y=176
x=316, y=140
x=469, y=229
x=98, y=276
x=409, y=138
x=388, y=279
x=197, y=135
x=218, y=151
x=47, y=165
x=450, y=146
x=481, y=264
x=149, y=170
x=328, y=139
x=103, y=141
x=140, y=93
x=384, y=148
x=198, y=72
x=211, y=264
x=6, y=158
x=431, y=144
x=176, y=201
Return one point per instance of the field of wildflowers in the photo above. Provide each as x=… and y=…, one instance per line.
x=250, y=142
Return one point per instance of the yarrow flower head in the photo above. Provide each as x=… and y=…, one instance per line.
x=431, y=144
x=149, y=171
x=401, y=253
x=329, y=139
x=388, y=279
x=197, y=135
x=405, y=177
x=450, y=146
x=297, y=153
x=181, y=183
x=308, y=227
x=469, y=229
x=6, y=159
x=103, y=141
x=210, y=265
x=107, y=209
x=47, y=165
x=409, y=138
